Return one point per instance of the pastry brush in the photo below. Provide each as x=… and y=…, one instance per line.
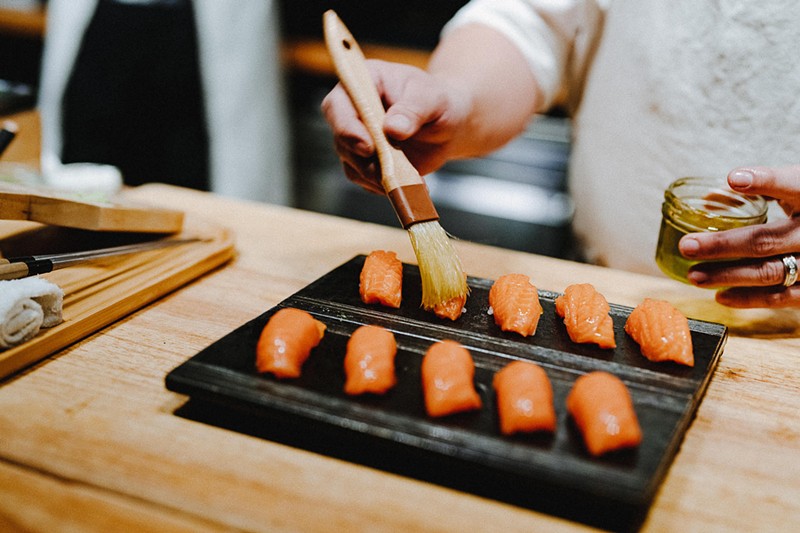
x=440, y=268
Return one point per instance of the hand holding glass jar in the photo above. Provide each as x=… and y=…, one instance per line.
x=755, y=265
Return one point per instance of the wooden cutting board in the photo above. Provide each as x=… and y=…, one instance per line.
x=101, y=292
x=84, y=212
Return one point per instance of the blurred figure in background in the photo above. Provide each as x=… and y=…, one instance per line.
x=186, y=92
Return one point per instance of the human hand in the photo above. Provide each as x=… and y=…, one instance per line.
x=751, y=263
x=422, y=119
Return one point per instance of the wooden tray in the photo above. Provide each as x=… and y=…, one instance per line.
x=556, y=469
x=101, y=292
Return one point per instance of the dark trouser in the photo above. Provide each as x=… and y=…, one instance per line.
x=135, y=99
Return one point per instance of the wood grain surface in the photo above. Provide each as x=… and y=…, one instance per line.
x=71, y=210
x=100, y=292
x=90, y=440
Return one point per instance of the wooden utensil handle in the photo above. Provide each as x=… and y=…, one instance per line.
x=10, y=271
x=351, y=68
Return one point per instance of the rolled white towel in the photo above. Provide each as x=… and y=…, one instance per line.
x=26, y=305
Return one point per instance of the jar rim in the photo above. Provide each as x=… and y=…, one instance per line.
x=717, y=197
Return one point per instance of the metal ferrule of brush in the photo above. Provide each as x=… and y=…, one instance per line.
x=412, y=204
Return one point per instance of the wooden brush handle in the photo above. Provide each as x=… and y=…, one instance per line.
x=400, y=179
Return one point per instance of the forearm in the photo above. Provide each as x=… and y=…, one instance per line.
x=492, y=79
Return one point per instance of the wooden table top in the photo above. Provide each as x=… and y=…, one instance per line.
x=89, y=438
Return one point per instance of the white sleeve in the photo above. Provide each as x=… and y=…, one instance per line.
x=67, y=21
x=557, y=37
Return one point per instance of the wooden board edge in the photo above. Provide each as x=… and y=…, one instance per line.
x=86, y=215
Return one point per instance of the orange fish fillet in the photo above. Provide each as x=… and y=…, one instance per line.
x=286, y=342
x=381, y=279
x=447, y=379
x=601, y=407
x=661, y=331
x=515, y=304
x=524, y=398
x=369, y=361
x=585, y=313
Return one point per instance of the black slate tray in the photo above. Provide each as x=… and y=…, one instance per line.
x=550, y=473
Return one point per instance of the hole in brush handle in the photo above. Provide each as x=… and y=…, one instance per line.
x=413, y=204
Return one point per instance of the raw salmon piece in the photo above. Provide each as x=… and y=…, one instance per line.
x=585, y=313
x=286, y=342
x=601, y=407
x=451, y=308
x=514, y=301
x=524, y=398
x=369, y=361
x=661, y=331
x=381, y=279
x=447, y=379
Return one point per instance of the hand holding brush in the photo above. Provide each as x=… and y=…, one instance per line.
x=442, y=275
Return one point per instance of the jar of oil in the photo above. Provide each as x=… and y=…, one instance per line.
x=701, y=204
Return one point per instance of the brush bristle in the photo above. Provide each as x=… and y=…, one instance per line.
x=442, y=275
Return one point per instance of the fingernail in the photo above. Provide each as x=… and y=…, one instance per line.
x=689, y=246
x=740, y=179
x=399, y=124
x=698, y=278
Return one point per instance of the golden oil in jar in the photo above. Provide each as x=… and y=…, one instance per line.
x=701, y=204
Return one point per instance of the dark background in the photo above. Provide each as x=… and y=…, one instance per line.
x=529, y=209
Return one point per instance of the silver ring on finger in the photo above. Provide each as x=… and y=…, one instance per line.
x=790, y=271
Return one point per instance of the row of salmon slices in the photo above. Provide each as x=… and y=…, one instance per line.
x=660, y=329
x=598, y=402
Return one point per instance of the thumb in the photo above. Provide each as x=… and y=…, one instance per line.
x=399, y=124
x=414, y=105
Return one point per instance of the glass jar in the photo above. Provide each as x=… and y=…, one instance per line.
x=701, y=204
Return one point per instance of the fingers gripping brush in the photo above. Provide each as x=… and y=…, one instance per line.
x=442, y=276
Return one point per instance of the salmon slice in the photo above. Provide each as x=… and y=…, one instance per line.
x=524, y=398
x=601, y=407
x=451, y=308
x=661, y=331
x=514, y=301
x=369, y=361
x=447, y=379
x=381, y=279
x=585, y=313
x=286, y=342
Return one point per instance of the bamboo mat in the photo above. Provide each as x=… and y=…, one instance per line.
x=101, y=292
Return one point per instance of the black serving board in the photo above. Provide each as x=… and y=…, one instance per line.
x=665, y=395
